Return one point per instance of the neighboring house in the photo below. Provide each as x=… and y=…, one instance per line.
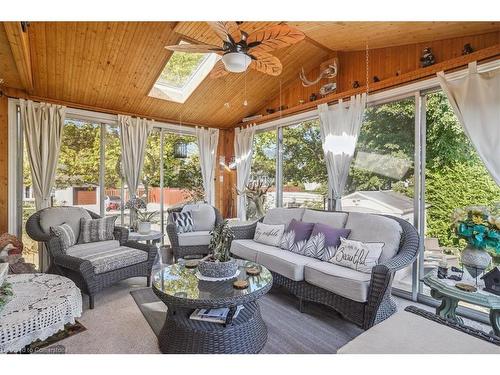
x=386, y=202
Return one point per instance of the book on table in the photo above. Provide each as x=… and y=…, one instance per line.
x=214, y=315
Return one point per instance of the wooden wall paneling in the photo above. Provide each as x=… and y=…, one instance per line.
x=384, y=63
x=488, y=53
x=4, y=164
x=8, y=69
x=20, y=46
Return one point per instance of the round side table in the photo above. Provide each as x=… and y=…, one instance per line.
x=152, y=237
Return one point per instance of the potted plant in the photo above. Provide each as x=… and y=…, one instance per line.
x=480, y=227
x=218, y=263
x=134, y=205
x=144, y=219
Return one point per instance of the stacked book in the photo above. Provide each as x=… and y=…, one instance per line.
x=214, y=315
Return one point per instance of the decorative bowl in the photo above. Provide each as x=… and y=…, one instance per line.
x=210, y=268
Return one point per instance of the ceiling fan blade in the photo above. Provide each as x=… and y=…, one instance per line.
x=194, y=48
x=266, y=63
x=228, y=31
x=218, y=70
x=273, y=38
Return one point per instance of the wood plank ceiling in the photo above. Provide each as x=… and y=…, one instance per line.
x=113, y=65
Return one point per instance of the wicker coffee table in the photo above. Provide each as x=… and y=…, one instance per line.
x=181, y=290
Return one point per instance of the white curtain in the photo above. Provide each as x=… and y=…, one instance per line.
x=207, y=145
x=243, y=150
x=339, y=128
x=475, y=99
x=133, y=138
x=43, y=128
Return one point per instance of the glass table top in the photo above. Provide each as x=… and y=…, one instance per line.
x=179, y=281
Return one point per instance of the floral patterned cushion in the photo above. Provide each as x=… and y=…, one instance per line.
x=296, y=236
x=324, y=241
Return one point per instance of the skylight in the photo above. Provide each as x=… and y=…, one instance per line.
x=182, y=74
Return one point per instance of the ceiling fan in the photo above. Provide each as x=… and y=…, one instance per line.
x=241, y=50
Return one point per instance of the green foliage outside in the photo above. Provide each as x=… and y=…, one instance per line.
x=455, y=176
x=180, y=67
x=79, y=160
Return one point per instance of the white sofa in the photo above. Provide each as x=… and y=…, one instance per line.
x=361, y=297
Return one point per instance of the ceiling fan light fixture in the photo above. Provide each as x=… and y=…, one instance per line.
x=236, y=62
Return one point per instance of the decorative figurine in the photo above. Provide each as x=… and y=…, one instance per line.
x=376, y=79
x=492, y=281
x=355, y=84
x=398, y=72
x=313, y=97
x=467, y=49
x=427, y=58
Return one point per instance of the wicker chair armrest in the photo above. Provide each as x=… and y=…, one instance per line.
x=172, y=231
x=121, y=234
x=247, y=231
x=380, y=281
x=408, y=247
x=150, y=249
x=79, y=265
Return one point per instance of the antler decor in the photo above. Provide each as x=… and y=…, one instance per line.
x=255, y=192
x=329, y=72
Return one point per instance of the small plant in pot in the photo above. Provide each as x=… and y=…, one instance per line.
x=144, y=219
x=219, y=263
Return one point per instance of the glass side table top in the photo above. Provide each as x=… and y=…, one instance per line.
x=180, y=282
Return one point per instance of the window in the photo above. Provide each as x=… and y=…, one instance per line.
x=77, y=175
x=305, y=181
x=382, y=172
x=263, y=169
x=455, y=177
x=114, y=193
x=182, y=74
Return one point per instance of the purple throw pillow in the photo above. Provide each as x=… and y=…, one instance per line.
x=296, y=236
x=324, y=241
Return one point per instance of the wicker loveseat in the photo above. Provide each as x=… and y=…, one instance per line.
x=363, y=298
x=92, y=266
x=205, y=218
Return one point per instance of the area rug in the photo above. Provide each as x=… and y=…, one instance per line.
x=319, y=330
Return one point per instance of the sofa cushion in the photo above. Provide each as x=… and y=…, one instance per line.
x=203, y=216
x=248, y=249
x=269, y=234
x=375, y=228
x=324, y=241
x=96, y=230
x=113, y=259
x=55, y=216
x=79, y=250
x=343, y=281
x=199, y=238
x=284, y=262
x=183, y=221
x=334, y=219
x=296, y=236
x=65, y=234
x=360, y=256
x=283, y=215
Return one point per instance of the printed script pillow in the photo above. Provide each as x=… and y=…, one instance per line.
x=360, y=256
x=183, y=221
x=324, y=241
x=94, y=230
x=65, y=234
x=296, y=236
x=269, y=234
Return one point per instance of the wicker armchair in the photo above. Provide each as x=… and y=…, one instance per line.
x=379, y=305
x=81, y=271
x=180, y=251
